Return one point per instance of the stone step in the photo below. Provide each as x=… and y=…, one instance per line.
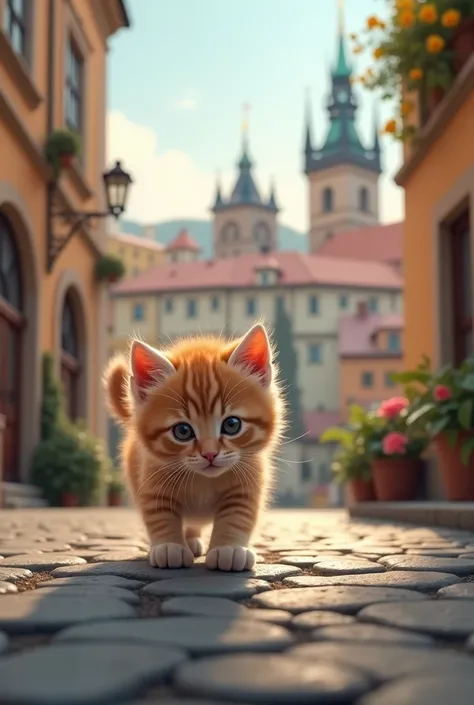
x=21, y=496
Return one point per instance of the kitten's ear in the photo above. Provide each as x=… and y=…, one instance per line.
x=254, y=355
x=149, y=368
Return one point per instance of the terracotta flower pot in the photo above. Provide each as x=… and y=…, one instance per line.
x=362, y=490
x=462, y=43
x=66, y=160
x=115, y=499
x=69, y=499
x=112, y=278
x=458, y=479
x=396, y=479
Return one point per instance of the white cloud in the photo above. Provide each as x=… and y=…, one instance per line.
x=170, y=185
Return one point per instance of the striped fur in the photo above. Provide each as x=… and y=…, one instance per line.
x=209, y=380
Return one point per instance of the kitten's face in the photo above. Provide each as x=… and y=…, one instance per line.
x=207, y=417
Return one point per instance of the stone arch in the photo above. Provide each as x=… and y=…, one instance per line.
x=70, y=294
x=14, y=209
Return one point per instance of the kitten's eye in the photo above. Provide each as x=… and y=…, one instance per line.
x=183, y=432
x=231, y=426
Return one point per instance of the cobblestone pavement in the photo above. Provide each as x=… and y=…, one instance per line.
x=336, y=611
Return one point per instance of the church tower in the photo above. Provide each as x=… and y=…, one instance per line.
x=342, y=173
x=244, y=222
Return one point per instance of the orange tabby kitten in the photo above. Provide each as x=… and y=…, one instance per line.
x=201, y=419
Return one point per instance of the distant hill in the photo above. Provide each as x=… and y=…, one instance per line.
x=201, y=230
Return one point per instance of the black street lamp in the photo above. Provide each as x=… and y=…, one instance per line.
x=116, y=182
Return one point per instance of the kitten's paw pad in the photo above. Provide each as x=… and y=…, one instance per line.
x=171, y=555
x=196, y=546
x=235, y=558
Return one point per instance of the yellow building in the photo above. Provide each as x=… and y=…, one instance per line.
x=138, y=253
x=52, y=76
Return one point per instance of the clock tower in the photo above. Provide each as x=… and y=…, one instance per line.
x=342, y=173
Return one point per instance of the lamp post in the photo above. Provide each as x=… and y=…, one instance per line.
x=116, y=183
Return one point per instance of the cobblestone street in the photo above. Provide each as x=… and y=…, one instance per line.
x=336, y=611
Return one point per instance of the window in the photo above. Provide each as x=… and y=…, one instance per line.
x=215, y=303
x=70, y=363
x=280, y=305
x=388, y=380
x=364, y=202
x=315, y=353
x=306, y=473
x=367, y=380
x=373, y=304
x=16, y=26
x=264, y=278
x=74, y=87
x=251, y=307
x=394, y=341
x=169, y=305
x=460, y=246
x=343, y=301
x=328, y=200
x=138, y=312
x=191, y=308
x=313, y=305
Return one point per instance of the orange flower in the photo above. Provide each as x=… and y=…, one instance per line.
x=451, y=18
x=373, y=22
x=428, y=13
x=435, y=44
x=416, y=74
x=406, y=108
x=407, y=19
x=404, y=4
x=378, y=53
x=390, y=127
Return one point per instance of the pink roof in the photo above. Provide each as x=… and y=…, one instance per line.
x=184, y=241
x=316, y=422
x=137, y=241
x=357, y=334
x=382, y=243
x=296, y=269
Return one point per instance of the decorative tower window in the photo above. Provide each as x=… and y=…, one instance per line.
x=328, y=200
x=262, y=235
x=230, y=233
x=364, y=199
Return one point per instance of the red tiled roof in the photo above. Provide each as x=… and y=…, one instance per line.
x=137, y=241
x=296, y=269
x=357, y=334
x=316, y=422
x=184, y=241
x=382, y=243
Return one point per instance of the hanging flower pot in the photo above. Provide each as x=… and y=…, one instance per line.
x=109, y=269
x=396, y=479
x=69, y=499
x=60, y=150
x=458, y=476
x=462, y=43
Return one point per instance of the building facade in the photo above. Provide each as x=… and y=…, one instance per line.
x=137, y=252
x=52, y=75
x=342, y=173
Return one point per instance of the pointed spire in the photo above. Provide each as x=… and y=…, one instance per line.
x=342, y=68
x=308, y=146
x=272, y=204
x=218, y=201
x=245, y=161
x=376, y=144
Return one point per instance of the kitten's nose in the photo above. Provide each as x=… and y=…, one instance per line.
x=209, y=456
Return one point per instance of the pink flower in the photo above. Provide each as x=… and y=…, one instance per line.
x=391, y=408
x=441, y=393
x=394, y=443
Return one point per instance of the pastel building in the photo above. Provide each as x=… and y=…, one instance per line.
x=137, y=252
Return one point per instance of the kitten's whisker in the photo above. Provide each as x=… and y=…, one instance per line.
x=292, y=440
x=237, y=384
x=293, y=462
x=162, y=467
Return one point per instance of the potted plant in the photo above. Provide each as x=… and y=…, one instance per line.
x=412, y=53
x=443, y=404
x=115, y=490
x=351, y=464
x=396, y=450
x=109, y=268
x=61, y=148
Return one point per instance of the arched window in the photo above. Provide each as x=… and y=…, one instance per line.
x=364, y=199
x=328, y=200
x=70, y=356
x=11, y=324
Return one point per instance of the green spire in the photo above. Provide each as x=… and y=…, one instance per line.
x=342, y=68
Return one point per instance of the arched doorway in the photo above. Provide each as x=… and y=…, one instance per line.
x=11, y=325
x=71, y=367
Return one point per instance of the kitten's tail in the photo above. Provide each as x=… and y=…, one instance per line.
x=116, y=387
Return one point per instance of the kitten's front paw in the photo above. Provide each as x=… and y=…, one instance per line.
x=171, y=555
x=233, y=558
x=196, y=546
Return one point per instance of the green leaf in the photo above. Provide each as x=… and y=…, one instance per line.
x=468, y=383
x=337, y=435
x=413, y=376
x=439, y=426
x=419, y=413
x=465, y=414
x=357, y=415
x=467, y=450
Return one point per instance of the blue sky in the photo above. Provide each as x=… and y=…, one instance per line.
x=177, y=82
